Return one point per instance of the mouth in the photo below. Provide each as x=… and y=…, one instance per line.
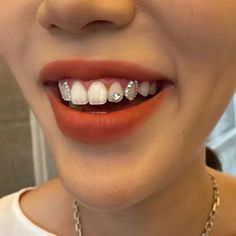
x=99, y=102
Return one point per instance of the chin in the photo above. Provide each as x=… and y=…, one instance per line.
x=110, y=193
x=111, y=178
x=98, y=188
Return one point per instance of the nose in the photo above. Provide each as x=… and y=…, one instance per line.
x=76, y=15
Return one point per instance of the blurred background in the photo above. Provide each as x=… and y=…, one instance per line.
x=25, y=159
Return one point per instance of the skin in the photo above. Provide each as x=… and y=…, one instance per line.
x=130, y=188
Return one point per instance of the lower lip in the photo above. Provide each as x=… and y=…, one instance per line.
x=92, y=128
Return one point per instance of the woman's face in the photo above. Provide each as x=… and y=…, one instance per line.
x=191, y=41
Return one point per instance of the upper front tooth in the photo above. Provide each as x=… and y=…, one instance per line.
x=97, y=93
x=65, y=90
x=79, y=95
x=144, y=88
x=115, y=92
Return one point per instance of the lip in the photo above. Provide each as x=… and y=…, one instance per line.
x=92, y=128
x=95, y=69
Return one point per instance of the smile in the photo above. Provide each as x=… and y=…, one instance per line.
x=99, y=102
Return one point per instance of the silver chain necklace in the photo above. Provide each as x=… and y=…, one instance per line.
x=207, y=228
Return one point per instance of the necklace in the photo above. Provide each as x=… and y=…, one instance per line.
x=208, y=225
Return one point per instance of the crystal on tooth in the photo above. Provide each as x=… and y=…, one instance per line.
x=79, y=95
x=131, y=90
x=116, y=97
x=115, y=92
x=97, y=93
x=144, y=88
x=65, y=90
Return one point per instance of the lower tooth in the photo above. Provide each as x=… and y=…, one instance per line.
x=98, y=112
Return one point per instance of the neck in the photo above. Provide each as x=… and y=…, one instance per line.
x=180, y=208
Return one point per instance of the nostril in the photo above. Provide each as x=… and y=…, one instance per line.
x=52, y=26
x=97, y=23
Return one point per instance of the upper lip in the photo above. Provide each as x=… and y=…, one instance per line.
x=83, y=69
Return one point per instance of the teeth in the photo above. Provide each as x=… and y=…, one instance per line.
x=144, y=88
x=153, y=88
x=97, y=93
x=65, y=90
x=79, y=95
x=115, y=93
x=131, y=90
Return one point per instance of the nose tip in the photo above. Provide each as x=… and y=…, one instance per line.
x=77, y=15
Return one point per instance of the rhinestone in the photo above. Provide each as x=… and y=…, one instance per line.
x=117, y=97
x=65, y=91
x=131, y=90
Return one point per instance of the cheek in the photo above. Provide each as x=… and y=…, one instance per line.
x=197, y=27
x=16, y=24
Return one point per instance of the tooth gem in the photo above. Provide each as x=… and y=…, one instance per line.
x=117, y=97
x=65, y=90
x=115, y=92
x=131, y=90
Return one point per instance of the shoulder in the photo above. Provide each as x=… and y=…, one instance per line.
x=8, y=212
x=6, y=207
x=6, y=202
x=12, y=219
x=226, y=216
